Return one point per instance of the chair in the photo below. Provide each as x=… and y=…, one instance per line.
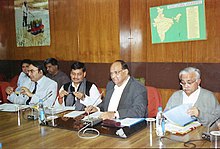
x=3, y=95
x=154, y=101
x=4, y=85
x=14, y=81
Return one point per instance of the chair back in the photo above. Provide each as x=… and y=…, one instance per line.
x=3, y=95
x=154, y=101
x=14, y=81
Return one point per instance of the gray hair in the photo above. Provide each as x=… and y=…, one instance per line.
x=191, y=70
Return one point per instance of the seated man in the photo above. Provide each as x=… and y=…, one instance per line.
x=40, y=87
x=79, y=92
x=23, y=77
x=204, y=103
x=125, y=96
x=54, y=73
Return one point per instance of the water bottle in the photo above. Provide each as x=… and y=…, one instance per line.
x=42, y=118
x=160, y=123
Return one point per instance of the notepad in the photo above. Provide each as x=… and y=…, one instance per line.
x=130, y=121
x=7, y=107
x=178, y=115
x=74, y=114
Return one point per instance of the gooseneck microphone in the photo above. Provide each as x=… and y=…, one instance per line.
x=206, y=135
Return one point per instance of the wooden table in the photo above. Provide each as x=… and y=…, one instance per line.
x=31, y=135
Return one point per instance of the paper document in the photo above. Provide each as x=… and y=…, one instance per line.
x=178, y=115
x=130, y=121
x=93, y=115
x=181, y=130
x=8, y=107
x=57, y=110
x=74, y=114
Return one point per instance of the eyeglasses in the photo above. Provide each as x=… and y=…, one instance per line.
x=32, y=71
x=115, y=72
x=187, y=83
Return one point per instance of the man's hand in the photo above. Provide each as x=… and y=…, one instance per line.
x=9, y=90
x=107, y=115
x=79, y=95
x=91, y=109
x=26, y=91
x=193, y=111
x=61, y=95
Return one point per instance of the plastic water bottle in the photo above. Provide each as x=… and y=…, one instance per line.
x=160, y=123
x=42, y=118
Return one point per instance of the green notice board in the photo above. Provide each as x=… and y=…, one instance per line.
x=178, y=22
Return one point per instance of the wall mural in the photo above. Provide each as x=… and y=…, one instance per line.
x=32, y=23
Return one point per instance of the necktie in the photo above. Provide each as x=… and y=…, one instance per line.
x=35, y=88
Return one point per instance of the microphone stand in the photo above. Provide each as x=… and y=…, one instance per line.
x=206, y=135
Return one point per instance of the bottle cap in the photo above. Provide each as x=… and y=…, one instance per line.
x=159, y=108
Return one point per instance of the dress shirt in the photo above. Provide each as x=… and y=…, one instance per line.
x=21, y=80
x=44, y=87
x=191, y=99
x=94, y=97
x=116, y=96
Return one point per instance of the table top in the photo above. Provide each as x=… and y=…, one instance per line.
x=31, y=135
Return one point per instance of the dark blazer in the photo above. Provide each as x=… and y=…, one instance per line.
x=133, y=101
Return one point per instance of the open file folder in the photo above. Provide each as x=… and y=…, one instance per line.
x=178, y=115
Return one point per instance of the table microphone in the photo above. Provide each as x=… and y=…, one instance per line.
x=206, y=135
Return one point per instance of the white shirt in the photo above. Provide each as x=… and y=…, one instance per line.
x=93, y=99
x=44, y=86
x=21, y=80
x=191, y=99
x=116, y=96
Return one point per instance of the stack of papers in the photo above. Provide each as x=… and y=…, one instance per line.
x=181, y=130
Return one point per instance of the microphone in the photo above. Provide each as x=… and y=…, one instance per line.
x=48, y=95
x=206, y=135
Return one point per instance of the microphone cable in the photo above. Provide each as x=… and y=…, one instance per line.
x=82, y=132
x=189, y=144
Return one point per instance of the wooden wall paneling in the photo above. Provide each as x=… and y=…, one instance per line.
x=65, y=16
x=125, y=30
x=138, y=30
x=99, y=31
x=163, y=52
x=208, y=51
x=4, y=37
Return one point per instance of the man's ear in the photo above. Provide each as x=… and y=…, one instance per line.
x=41, y=72
x=84, y=74
x=126, y=71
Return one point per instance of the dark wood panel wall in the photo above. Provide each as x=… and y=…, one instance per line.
x=101, y=31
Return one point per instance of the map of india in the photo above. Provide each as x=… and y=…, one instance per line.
x=163, y=24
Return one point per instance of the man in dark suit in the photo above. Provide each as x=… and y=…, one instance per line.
x=125, y=96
